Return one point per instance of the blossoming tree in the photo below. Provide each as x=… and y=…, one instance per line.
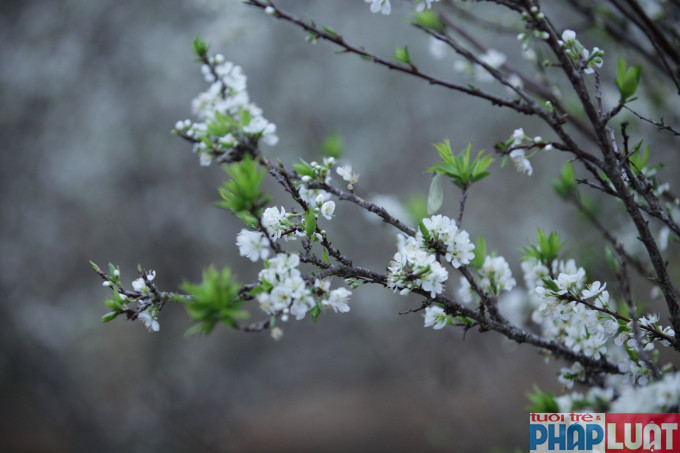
x=609, y=344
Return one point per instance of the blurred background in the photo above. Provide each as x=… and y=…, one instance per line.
x=89, y=171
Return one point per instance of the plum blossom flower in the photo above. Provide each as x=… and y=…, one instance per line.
x=149, y=320
x=327, y=209
x=140, y=285
x=348, y=175
x=521, y=162
x=435, y=317
x=273, y=221
x=381, y=6
x=252, y=244
x=337, y=300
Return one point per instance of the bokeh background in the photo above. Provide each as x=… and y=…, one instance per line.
x=89, y=92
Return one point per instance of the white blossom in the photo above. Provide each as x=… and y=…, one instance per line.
x=424, y=4
x=327, y=209
x=276, y=333
x=149, y=320
x=288, y=292
x=521, y=162
x=496, y=275
x=337, y=300
x=413, y=268
x=568, y=36
x=348, y=175
x=140, y=285
x=459, y=249
x=252, y=244
x=382, y=6
x=273, y=220
x=225, y=98
x=435, y=317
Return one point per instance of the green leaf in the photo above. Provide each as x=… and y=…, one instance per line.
x=304, y=169
x=329, y=30
x=417, y=208
x=110, y=316
x=565, y=186
x=333, y=145
x=215, y=299
x=461, y=169
x=430, y=19
x=611, y=259
x=627, y=79
x=638, y=160
x=480, y=253
x=199, y=47
x=324, y=255
x=542, y=401
x=547, y=248
x=310, y=222
x=424, y=231
x=551, y=285
x=315, y=311
x=401, y=54
x=242, y=193
x=435, y=197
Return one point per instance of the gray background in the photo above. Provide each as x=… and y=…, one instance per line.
x=88, y=170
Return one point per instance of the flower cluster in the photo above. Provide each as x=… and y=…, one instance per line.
x=226, y=115
x=413, y=268
x=284, y=289
x=584, y=59
x=568, y=319
x=518, y=143
x=314, y=171
x=578, y=315
x=333, y=299
x=440, y=234
x=621, y=396
x=495, y=277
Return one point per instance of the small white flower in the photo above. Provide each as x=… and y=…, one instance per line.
x=382, y=6
x=107, y=283
x=272, y=220
x=140, y=284
x=517, y=136
x=319, y=199
x=568, y=36
x=327, y=209
x=149, y=321
x=424, y=4
x=522, y=164
x=253, y=245
x=348, y=175
x=593, y=290
x=435, y=317
x=276, y=333
x=337, y=300
x=270, y=10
